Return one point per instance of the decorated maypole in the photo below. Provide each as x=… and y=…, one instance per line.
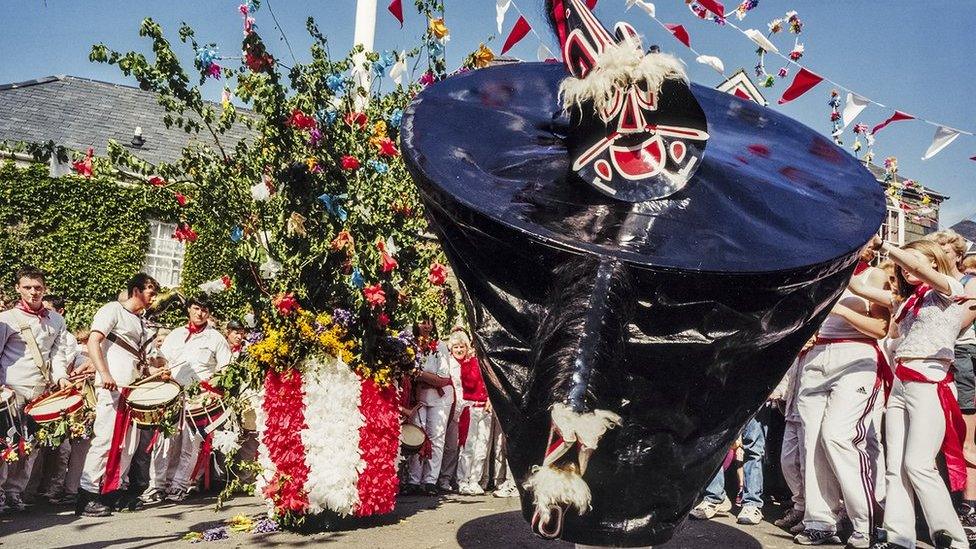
x=313, y=224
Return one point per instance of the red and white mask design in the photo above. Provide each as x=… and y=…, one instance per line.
x=643, y=143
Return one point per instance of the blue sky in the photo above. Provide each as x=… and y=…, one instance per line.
x=912, y=55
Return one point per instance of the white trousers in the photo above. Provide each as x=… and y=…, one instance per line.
x=791, y=461
x=837, y=400
x=433, y=420
x=189, y=451
x=165, y=460
x=76, y=463
x=471, y=464
x=914, y=431
x=93, y=472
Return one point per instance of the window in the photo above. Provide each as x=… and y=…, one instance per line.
x=893, y=227
x=164, y=260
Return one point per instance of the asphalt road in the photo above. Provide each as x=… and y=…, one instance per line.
x=418, y=522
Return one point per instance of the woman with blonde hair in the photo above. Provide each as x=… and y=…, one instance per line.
x=922, y=412
x=474, y=424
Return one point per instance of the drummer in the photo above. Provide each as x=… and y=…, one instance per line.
x=34, y=354
x=117, y=347
x=194, y=353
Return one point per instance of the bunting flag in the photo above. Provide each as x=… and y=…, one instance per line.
x=396, y=8
x=646, y=6
x=943, y=137
x=803, y=82
x=713, y=62
x=760, y=40
x=680, y=33
x=543, y=53
x=897, y=117
x=501, y=7
x=713, y=6
x=591, y=4
x=853, y=107
x=519, y=31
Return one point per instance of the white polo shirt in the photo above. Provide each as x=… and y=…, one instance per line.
x=114, y=318
x=196, y=357
x=437, y=363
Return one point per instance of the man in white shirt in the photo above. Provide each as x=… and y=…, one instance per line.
x=117, y=347
x=34, y=354
x=436, y=398
x=193, y=353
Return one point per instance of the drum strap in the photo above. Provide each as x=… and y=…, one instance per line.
x=140, y=354
x=28, y=336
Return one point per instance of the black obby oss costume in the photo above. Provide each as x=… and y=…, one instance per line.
x=642, y=261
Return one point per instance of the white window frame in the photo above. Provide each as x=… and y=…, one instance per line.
x=164, y=258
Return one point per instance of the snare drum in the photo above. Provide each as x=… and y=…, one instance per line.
x=47, y=409
x=411, y=438
x=151, y=401
x=207, y=412
x=8, y=412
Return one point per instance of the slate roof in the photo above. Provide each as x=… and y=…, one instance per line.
x=878, y=172
x=78, y=113
x=966, y=228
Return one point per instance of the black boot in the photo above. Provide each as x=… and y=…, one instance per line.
x=81, y=500
x=92, y=505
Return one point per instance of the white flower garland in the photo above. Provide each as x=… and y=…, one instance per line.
x=332, y=395
x=264, y=459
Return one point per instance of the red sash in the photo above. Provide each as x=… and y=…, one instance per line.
x=884, y=376
x=113, y=467
x=203, y=461
x=955, y=427
x=464, y=422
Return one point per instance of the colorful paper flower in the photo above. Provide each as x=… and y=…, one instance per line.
x=334, y=203
x=181, y=199
x=300, y=120
x=375, y=295
x=387, y=262
x=285, y=304
x=184, y=233
x=437, y=274
x=156, y=181
x=383, y=320
x=378, y=167
x=356, y=119
x=427, y=78
x=84, y=167
x=336, y=84
x=349, y=163
x=438, y=29
x=296, y=224
x=236, y=234
x=342, y=240
x=483, y=57
x=356, y=278
x=388, y=148
x=396, y=117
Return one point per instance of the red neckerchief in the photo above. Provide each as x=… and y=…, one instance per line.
x=861, y=267
x=40, y=313
x=193, y=329
x=914, y=303
x=237, y=348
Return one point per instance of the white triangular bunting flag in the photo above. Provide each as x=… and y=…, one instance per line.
x=760, y=40
x=501, y=6
x=943, y=136
x=646, y=6
x=855, y=104
x=543, y=53
x=713, y=62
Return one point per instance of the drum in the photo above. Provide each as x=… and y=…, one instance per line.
x=411, y=438
x=152, y=401
x=207, y=412
x=249, y=419
x=48, y=409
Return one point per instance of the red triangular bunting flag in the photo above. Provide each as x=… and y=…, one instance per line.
x=519, y=31
x=396, y=8
x=894, y=118
x=591, y=4
x=713, y=6
x=803, y=82
x=680, y=33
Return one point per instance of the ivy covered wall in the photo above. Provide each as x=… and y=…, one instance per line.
x=88, y=235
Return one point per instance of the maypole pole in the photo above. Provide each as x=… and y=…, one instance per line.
x=364, y=35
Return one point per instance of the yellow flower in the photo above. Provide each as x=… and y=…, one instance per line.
x=438, y=28
x=379, y=129
x=311, y=163
x=376, y=141
x=483, y=57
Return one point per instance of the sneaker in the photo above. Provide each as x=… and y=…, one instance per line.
x=152, y=497
x=790, y=519
x=797, y=528
x=96, y=509
x=816, y=537
x=15, y=504
x=750, y=514
x=942, y=540
x=177, y=496
x=3, y=502
x=887, y=545
x=858, y=540
x=470, y=489
x=506, y=490
x=707, y=509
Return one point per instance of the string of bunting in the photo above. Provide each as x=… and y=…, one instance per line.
x=806, y=79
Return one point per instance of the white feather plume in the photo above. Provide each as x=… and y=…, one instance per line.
x=586, y=428
x=552, y=487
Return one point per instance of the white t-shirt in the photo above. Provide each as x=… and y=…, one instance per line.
x=835, y=327
x=931, y=334
x=194, y=358
x=437, y=363
x=17, y=366
x=968, y=335
x=113, y=318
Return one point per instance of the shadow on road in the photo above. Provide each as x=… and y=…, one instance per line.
x=509, y=530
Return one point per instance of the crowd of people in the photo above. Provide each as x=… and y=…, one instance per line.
x=126, y=460
x=880, y=400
